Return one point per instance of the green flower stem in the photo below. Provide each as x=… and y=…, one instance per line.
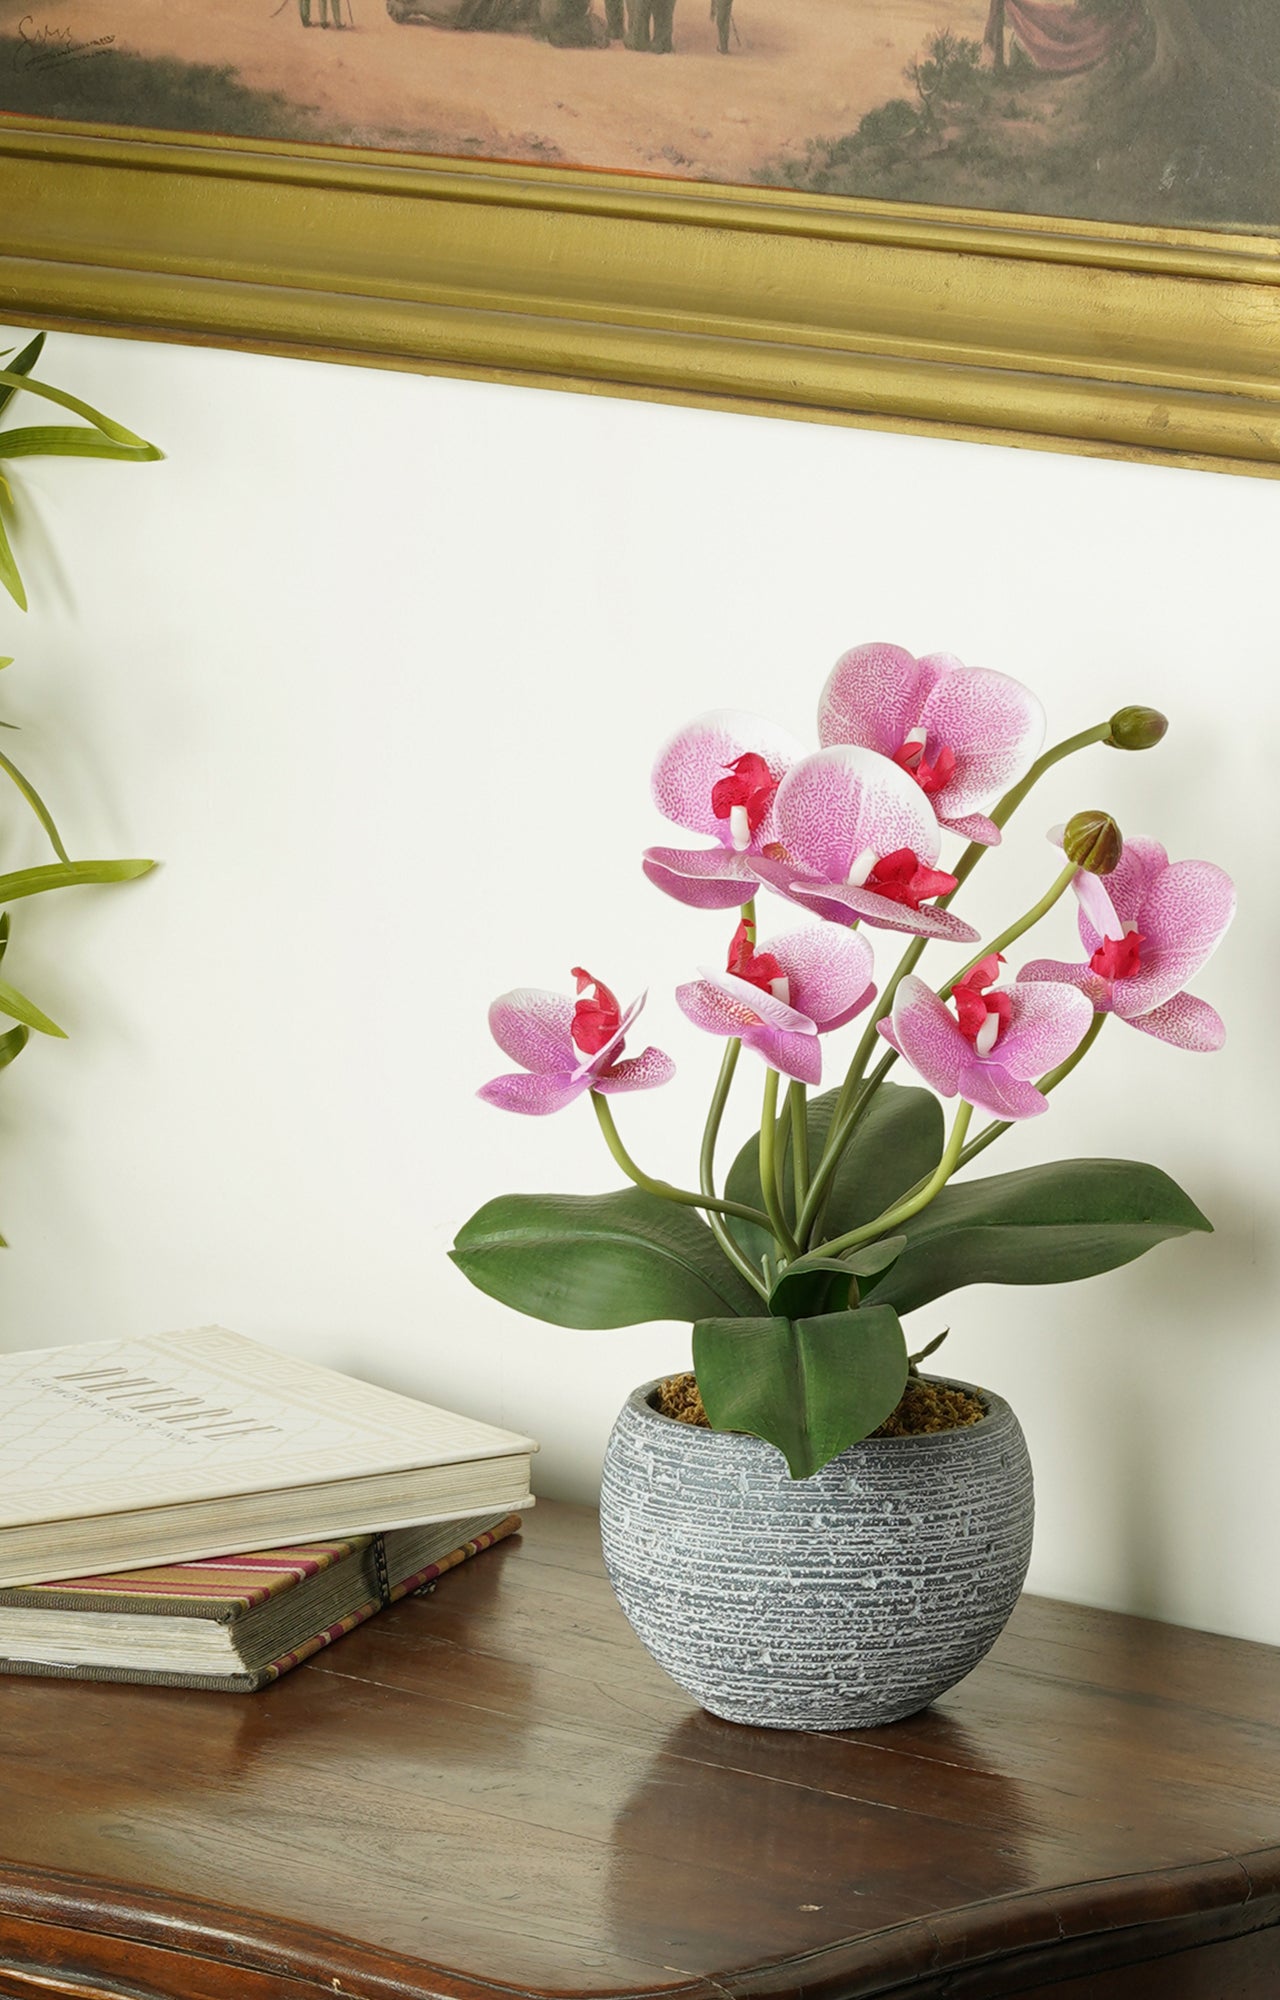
x=797, y=1105
x=1012, y=799
x=848, y=1111
x=684, y=1196
x=707, y=1169
x=769, y=1164
x=920, y=1198
x=1058, y=887
x=1050, y=1081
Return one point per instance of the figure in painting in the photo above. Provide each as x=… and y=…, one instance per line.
x=649, y=25
x=1061, y=39
x=722, y=15
x=564, y=23
x=329, y=9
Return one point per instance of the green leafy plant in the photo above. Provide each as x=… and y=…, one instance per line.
x=848, y=1210
x=97, y=437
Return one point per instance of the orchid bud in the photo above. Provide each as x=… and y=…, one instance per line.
x=1093, y=841
x=1137, y=728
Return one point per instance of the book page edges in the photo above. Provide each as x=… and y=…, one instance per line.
x=186, y=1531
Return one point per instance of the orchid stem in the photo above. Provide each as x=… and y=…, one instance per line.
x=769, y=1164
x=684, y=1196
x=707, y=1170
x=1059, y=886
x=797, y=1105
x=1050, y=1081
x=920, y=1198
x=848, y=1112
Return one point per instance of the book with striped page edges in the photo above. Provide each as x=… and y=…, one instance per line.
x=236, y=1622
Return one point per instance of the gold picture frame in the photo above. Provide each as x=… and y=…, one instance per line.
x=1155, y=344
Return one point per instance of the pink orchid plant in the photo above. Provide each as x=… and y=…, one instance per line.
x=846, y=1211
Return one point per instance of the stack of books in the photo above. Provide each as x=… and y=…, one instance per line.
x=198, y=1510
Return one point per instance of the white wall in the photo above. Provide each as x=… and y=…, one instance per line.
x=377, y=665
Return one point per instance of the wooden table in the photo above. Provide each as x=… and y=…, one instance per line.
x=493, y=1791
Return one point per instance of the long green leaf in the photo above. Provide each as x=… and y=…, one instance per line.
x=1042, y=1226
x=812, y=1387
x=898, y=1143
x=67, y=875
x=69, y=441
x=19, y=1008
x=9, y=575
x=598, y=1261
x=25, y=362
x=37, y=805
x=13, y=1044
x=118, y=434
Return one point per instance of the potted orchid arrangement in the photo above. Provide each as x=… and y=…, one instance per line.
x=816, y=1448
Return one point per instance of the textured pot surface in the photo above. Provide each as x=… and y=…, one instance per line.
x=844, y=1601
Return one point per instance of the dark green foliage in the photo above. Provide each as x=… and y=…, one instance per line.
x=898, y=1143
x=597, y=1261
x=1180, y=127
x=109, y=86
x=1042, y=1226
x=812, y=1387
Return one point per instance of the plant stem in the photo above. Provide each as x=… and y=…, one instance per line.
x=684, y=1196
x=769, y=1163
x=1058, y=887
x=797, y=1105
x=1049, y=1081
x=886, y=1223
x=707, y=1169
x=1013, y=798
x=848, y=1112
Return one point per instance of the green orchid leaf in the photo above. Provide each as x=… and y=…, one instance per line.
x=19, y=1008
x=596, y=1261
x=898, y=1143
x=9, y=576
x=13, y=1044
x=25, y=362
x=67, y=875
x=811, y=1387
x=4, y=932
x=36, y=803
x=1042, y=1226
x=827, y=1284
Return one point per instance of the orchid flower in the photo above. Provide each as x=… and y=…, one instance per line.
x=568, y=1048
x=1148, y=927
x=719, y=776
x=857, y=838
x=996, y=1041
x=778, y=1000
x=962, y=733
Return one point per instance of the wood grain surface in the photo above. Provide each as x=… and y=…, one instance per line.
x=493, y=1789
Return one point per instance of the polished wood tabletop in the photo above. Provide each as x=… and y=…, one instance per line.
x=493, y=1790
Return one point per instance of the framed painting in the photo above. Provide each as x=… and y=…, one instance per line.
x=1047, y=222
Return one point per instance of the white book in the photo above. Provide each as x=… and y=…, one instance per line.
x=117, y=1454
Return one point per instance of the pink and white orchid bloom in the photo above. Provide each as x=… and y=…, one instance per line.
x=963, y=734
x=567, y=1048
x=719, y=776
x=996, y=1041
x=857, y=838
x=778, y=1000
x=1148, y=927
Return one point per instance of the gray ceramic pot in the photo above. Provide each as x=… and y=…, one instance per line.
x=844, y=1601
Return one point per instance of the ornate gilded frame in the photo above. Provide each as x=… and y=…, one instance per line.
x=1105, y=339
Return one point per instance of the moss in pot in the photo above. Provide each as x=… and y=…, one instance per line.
x=809, y=1556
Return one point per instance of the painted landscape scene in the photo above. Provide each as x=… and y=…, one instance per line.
x=1150, y=111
